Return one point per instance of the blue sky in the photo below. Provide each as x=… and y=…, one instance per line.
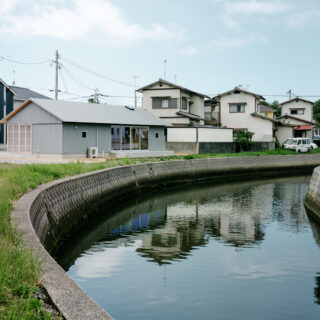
x=267, y=46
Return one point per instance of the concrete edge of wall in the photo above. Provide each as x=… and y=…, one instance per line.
x=48, y=213
x=312, y=199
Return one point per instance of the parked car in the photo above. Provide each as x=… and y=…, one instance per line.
x=316, y=140
x=314, y=145
x=298, y=144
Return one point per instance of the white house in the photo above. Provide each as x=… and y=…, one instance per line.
x=296, y=120
x=239, y=109
x=173, y=103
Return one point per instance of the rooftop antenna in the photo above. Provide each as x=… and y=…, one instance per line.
x=289, y=93
x=135, y=92
x=165, y=69
x=14, y=78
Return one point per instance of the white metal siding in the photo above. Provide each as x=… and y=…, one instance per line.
x=182, y=135
x=214, y=135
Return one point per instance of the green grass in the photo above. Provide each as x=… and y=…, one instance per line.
x=19, y=271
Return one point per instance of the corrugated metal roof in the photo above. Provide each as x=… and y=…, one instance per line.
x=264, y=108
x=70, y=111
x=24, y=94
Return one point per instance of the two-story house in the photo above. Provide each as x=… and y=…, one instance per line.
x=6, y=106
x=240, y=110
x=296, y=120
x=173, y=103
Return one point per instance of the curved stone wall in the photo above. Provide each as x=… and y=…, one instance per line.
x=53, y=211
x=312, y=200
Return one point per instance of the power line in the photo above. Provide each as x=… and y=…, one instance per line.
x=75, y=78
x=96, y=73
x=23, y=62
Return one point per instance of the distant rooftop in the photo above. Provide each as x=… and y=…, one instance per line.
x=162, y=81
x=23, y=94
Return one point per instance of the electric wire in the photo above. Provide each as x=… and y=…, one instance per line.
x=24, y=62
x=96, y=73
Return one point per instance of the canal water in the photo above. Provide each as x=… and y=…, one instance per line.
x=240, y=250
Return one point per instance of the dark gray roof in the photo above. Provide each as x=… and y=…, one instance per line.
x=296, y=99
x=149, y=86
x=264, y=108
x=23, y=94
x=80, y=112
x=189, y=115
x=258, y=96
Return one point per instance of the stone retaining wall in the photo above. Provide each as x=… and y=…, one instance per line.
x=51, y=212
x=312, y=200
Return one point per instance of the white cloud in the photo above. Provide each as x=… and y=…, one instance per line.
x=302, y=19
x=235, y=42
x=189, y=51
x=256, y=7
x=91, y=19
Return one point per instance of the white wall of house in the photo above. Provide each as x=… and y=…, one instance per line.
x=283, y=133
x=263, y=129
x=196, y=103
x=298, y=104
x=163, y=112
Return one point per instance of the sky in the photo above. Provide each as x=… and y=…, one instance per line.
x=267, y=46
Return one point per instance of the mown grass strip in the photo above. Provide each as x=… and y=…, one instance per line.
x=19, y=271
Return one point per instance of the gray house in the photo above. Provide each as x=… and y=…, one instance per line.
x=51, y=128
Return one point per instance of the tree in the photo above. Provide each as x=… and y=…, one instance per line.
x=274, y=105
x=316, y=112
x=243, y=139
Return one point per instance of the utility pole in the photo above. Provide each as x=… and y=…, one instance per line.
x=96, y=96
x=290, y=93
x=175, y=79
x=135, y=92
x=165, y=69
x=56, y=61
x=14, y=78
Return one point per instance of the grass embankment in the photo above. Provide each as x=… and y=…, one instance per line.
x=19, y=271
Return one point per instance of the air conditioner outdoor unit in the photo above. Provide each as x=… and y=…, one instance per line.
x=93, y=152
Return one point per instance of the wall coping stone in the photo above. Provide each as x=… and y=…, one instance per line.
x=53, y=204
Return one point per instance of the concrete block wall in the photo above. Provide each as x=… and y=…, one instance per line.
x=312, y=200
x=51, y=212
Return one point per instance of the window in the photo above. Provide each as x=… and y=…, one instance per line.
x=235, y=108
x=19, y=138
x=297, y=111
x=164, y=103
x=184, y=103
x=115, y=141
x=156, y=135
x=129, y=138
x=84, y=134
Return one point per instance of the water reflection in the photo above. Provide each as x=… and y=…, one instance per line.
x=193, y=251
x=171, y=224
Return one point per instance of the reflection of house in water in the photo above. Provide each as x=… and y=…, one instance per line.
x=180, y=234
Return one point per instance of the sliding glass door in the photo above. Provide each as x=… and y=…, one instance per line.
x=129, y=138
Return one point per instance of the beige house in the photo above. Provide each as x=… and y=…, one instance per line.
x=240, y=110
x=173, y=103
x=296, y=120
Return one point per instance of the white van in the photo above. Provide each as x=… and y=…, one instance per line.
x=298, y=144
